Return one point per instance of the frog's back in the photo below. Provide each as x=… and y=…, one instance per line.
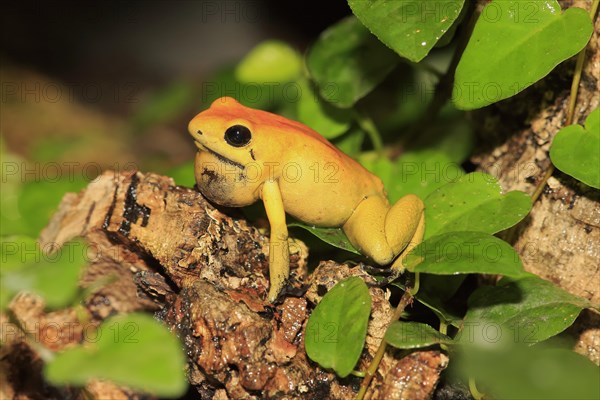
x=319, y=183
x=230, y=109
x=323, y=187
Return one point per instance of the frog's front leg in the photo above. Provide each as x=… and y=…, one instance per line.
x=382, y=232
x=279, y=254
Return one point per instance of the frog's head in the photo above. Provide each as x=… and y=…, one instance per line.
x=224, y=131
x=229, y=139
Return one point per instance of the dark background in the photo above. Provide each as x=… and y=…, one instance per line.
x=116, y=82
x=152, y=40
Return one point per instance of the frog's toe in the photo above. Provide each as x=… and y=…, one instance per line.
x=375, y=270
x=394, y=275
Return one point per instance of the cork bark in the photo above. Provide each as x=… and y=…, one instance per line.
x=560, y=239
x=166, y=250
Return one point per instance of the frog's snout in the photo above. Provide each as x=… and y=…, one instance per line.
x=196, y=133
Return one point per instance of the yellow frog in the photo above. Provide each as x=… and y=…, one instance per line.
x=247, y=154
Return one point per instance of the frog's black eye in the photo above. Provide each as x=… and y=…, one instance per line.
x=238, y=135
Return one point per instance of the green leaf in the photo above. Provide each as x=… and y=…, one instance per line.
x=436, y=291
x=409, y=27
x=336, y=329
x=50, y=149
x=422, y=172
x=533, y=373
x=452, y=136
x=15, y=252
x=449, y=35
x=183, y=175
x=442, y=286
x=40, y=198
x=54, y=275
x=164, y=105
x=474, y=203
x=347, y=62
x=350, y=142
x=334, y=236
x=414, y=335
x=528, y=310
x=13, y=170
x=269, y=62
x=18, y=251
x=132, y=350
x=5, y=296
x=401, y=99
x=415, y=172
x=440, y=310
x=255, y=95
x=575, y=150
x=321, y=116
x=515, y=44
x=464, y=253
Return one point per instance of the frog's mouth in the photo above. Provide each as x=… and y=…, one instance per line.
x=218, y=155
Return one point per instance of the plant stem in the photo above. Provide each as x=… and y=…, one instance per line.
x=360, y=374
x=572, y=103
x=417, y=284
x=372, y=369
x=540, y=187
x=443, y=330
x=367, y=125
x=578, y=69
x=473, y=389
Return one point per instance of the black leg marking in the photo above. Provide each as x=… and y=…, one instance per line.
x=395, y=274
x=371, y=270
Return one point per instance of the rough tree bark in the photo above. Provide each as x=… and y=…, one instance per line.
x=205, y=275
x=560, y=238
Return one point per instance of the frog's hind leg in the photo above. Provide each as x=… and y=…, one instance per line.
x=411, y=222
x=366, y=229
x=405, y=226
x=417, y=239
x=381, y=232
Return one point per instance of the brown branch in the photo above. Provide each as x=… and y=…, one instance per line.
x=164, y=249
